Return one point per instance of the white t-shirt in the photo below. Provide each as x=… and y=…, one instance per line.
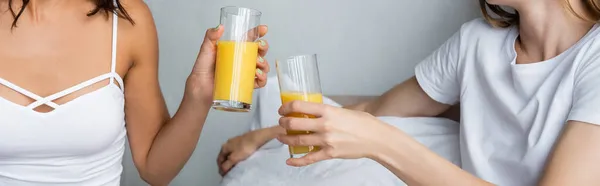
x=511, y=114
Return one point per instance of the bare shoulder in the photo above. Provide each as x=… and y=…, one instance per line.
x=138, y=10
x=140, y=33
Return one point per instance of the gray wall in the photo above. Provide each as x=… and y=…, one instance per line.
x=365, y=47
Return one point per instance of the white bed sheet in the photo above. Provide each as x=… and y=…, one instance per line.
x=267, y=166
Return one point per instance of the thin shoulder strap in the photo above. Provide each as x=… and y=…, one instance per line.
x=113, y=62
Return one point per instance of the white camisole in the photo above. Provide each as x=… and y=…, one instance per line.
x=78, y=143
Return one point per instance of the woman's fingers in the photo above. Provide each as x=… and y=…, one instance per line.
x=260, y=79
x=232, y=160
x=315, y=109
x=252, y=33
x=310, y=158
x=302, y=140
x=262, y=30
x=263, y=47
x=225, y=167
x=263, y=65
x=262, y=68
x=301, y=124
x=222, y=158
x=229, y=163
x=223, y=154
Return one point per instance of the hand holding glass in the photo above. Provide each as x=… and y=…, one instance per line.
x=237, y=53
x=299, y=80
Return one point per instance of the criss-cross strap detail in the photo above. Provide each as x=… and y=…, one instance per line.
x=25, y=92
x=112, y=75
x=70, y=90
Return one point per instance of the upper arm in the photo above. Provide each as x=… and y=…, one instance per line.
x=405, y=100
x=145, y=108
x=432, y=90
x=576, y=157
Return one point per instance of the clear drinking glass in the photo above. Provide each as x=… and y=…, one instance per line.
x=237, y=53
x=299, y=80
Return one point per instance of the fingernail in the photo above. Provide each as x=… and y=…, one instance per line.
x=261, y=60
x=260, y=72
x=217, y=28
x=263, y=43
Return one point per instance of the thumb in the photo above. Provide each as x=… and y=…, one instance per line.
x=212, y=36
x=209, y=45
x=208, y=49
x=308, y=159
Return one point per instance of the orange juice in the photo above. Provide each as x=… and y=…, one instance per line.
x=235, y=71
x=309, y=97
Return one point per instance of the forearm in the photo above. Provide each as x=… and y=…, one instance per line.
x=262, y=136
x=415, y=164
x=177, y=139
x=453, y=113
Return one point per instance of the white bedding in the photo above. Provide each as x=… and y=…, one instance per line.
x=267, y=166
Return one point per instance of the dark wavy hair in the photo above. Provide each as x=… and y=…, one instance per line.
x=104, y=6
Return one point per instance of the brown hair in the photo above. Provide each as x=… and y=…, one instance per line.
x=506, y=18
x=104, y=6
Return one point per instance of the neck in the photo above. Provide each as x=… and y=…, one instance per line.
x=547, y=29
x=39, y=10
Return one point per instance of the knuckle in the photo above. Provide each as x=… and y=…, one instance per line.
x=299, y=140
x=283, y=139
x=283, y=121
x=328, y=139
x=295, y=105
x=293, y=123
x=329, y=153
x=326, y=126
x=311, y=160
x=235, y=157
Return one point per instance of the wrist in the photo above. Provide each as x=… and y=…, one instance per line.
x=262, y=136
x=196, y=92
x=257, y=137
x=386, y=150
x=400, y=154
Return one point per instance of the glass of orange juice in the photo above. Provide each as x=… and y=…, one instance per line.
x=299, y=80
x=237, y=53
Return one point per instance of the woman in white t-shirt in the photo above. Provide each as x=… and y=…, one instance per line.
x=528, y=84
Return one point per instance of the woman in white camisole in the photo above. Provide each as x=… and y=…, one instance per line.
x=528, y=83
x=78, y=77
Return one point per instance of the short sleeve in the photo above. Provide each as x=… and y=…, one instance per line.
x=437, y=74
x=586, y=93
